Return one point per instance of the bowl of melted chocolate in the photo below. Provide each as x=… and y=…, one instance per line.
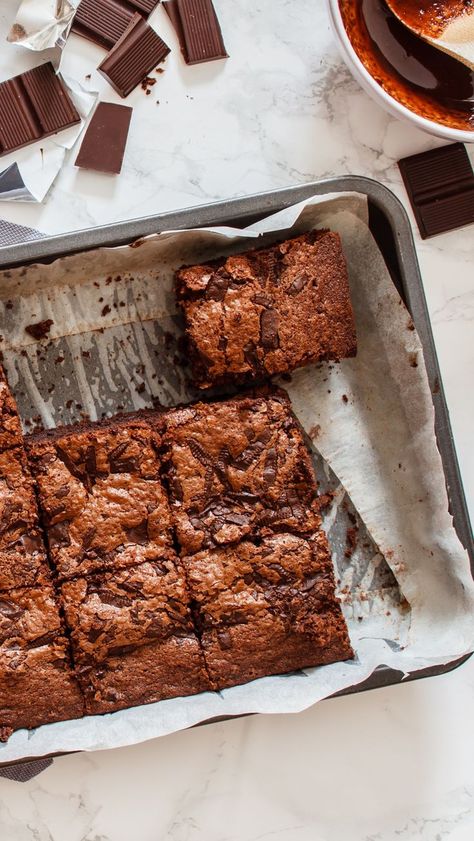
x=410, y=77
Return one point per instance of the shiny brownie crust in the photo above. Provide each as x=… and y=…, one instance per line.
x=10, y=427
x=269, y=311
x=101, y=497
x=37, y=683
x=133, y=637
x=236, y=469
x=267, y=609
x=23, y=559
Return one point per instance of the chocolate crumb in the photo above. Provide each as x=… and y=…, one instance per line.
x=40, y=330
x=345, y=398
x=106, y=310
x=351, y=540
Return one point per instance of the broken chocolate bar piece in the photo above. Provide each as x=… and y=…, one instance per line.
x=105, y=21
x=34, y=105
x=133, y=57
x=440, y=186
x=104, y=143
x=198, y=30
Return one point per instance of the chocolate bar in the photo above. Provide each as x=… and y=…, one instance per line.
x=198, y=30
x=104, y=143
x=34, y=105
x=440, y=186
x=105, y=21
x=136, y=53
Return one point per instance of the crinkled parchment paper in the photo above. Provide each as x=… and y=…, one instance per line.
x=407, y=591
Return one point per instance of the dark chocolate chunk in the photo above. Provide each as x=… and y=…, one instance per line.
x=33, y=106
x=269, y=322
x=198, y=30
x=105, y=21
x=134, y=56
x=104, y=143
x=440, y=186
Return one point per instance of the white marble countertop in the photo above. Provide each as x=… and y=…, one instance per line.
x=392, y=765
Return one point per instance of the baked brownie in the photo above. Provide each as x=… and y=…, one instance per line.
x=238, y=468
x=267, y=609
x=132, y=636
x=37, y=684
x=22, y=554
x=269, y=311
x=10, y=426
x=101, y=496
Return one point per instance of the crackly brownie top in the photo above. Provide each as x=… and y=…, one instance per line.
x=112, y=613
x=10, y=426
x=268, y=311
x=18, y=512
x=285, y=575
x=29, y=618
x=236, y=468
x=101, y=495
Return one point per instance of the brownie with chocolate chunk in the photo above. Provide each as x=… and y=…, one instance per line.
x=269, y=311
x=133, y=637
x=267, y=609
x=22, y=553
x=37, y=683
x=10, y=426
x=101, y=497
x=237, y=468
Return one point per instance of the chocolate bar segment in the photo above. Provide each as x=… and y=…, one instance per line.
x=34, y=105
x=105, y=21
x=440, y=186
x=104, y=143
x=135, y=54
x=198, y=30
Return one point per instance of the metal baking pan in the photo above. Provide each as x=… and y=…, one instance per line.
x=391, y=228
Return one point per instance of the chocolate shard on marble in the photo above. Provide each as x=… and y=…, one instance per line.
x=105, y=21
x=137, y=52
x=34, y=105
x=440, y=186
x=105, y=140
x=198, y=30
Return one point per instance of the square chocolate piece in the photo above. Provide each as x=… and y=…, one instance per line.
x=266, y=312
x=238, y=468
x=23, y=561
x=37, y=683
x=10, y=427
x=101, y=495
x=267, y=609
x=133, y=637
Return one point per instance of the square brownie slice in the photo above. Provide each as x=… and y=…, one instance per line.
x=23, y=560
x=37, y=683
x=100, y=494
x=132, y=635
x=267, y=609
x=269, y=311
x=238, y=468
x=10, y=427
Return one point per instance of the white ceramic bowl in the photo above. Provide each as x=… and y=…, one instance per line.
x=377, y=92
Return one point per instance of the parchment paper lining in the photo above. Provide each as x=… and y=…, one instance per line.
x=114, y=345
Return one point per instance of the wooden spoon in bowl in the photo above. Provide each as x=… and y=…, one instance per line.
x=446, y=24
